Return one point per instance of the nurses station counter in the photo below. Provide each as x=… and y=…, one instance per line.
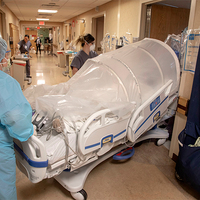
x=19, y=69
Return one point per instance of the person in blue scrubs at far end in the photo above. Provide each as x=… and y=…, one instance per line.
x=87, y=51
x=15, y=122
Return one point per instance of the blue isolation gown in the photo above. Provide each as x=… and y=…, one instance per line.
x=15, y=122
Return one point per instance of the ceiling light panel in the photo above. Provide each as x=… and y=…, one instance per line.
x=47, y=11
x=42, y=19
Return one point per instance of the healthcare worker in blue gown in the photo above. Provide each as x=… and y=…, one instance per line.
x=15, y=122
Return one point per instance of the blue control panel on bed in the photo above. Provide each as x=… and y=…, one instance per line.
x=155, y=103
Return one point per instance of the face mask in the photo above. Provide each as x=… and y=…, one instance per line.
x=92, y=47
x=6, y=66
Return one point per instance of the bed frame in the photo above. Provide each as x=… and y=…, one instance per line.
x=97, y=144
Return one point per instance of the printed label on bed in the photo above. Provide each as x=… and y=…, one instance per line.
x=156, y=116
x=106, y=140
x=155, y=103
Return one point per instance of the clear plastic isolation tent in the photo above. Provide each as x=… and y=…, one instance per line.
x=120, y=80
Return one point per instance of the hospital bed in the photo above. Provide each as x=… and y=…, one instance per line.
x=110, y=104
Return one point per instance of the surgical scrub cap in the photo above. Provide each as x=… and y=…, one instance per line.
x=3, y=48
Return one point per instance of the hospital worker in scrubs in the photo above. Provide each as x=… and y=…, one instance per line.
x=15, y=122
x=87, y=51
x=24, y=47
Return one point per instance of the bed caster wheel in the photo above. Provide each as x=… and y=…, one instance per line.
x=160, y=142
x=81, y=195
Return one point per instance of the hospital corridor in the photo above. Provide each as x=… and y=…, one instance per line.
x=148, y=175
x=100, y=100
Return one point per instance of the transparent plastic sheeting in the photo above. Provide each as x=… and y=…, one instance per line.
x=174, y=41
x=120, y=81
x=191, y=42
x=186, y=46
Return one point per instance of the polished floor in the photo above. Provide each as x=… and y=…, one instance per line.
x=45, y=70
x=148, y=175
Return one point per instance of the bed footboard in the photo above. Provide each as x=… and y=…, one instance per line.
x=31, y=158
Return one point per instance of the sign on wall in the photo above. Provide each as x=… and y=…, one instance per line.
x=191, y=51
x=73, y=23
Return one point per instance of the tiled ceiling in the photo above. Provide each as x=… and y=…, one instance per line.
x=27, y=10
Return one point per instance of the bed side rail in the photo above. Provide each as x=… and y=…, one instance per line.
x=148, y=114
x=102, y=136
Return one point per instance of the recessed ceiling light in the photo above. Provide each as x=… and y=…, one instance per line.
x=43, y=19
x=47, y=11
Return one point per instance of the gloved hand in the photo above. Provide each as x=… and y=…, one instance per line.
x=35, y=132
